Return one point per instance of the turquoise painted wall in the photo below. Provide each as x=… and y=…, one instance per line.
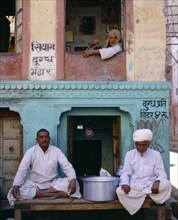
x=47, y=104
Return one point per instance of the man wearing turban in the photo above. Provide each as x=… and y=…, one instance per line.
x=143, y=175
x=112, y=46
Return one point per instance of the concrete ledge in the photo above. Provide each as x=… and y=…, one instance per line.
x=95, y=69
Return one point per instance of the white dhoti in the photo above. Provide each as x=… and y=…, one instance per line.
x=28, y=189
x=133, y=201
x=174, y=193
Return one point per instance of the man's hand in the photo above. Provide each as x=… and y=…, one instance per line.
x=94, y=42
x=87, y=53
x=72, y=186
x=126, y=188
x=15, y=191
x=155, y=187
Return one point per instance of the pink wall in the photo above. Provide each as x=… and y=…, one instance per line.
x=26, y=40
x=69, y=66
x=94, y=69
x=60, y=42
x=14, y=66
x=10, y=66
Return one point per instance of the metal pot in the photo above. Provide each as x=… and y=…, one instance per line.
x=100, y=188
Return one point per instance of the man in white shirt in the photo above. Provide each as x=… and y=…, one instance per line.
x=143, y=174
x=38, y=176
x=111, y=48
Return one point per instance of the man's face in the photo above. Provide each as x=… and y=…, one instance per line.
x=142, y=146
x=112, y=39
x=43, y=139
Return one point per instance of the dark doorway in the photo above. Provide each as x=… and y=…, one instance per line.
x=87, y=157
x=90, y=151
x=7, y=7
x=7, y=25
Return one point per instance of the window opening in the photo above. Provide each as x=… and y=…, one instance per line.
x=8, y=25
x=89, y=20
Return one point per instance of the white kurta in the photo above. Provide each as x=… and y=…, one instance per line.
x=39, y=170
x=140, y=172
x=110, y=51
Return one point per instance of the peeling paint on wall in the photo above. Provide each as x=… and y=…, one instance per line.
x=149, y=41
x=130, y=66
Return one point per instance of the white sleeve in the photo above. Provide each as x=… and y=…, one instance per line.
x=23, y=169
x=109, y=52
x=126, y=172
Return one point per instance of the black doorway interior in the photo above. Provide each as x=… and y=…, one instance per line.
x=87, y=157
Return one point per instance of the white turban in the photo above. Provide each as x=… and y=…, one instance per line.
x=142, y=135
x=116, y=33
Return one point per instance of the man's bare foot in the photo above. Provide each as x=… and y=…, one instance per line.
x=62, y=195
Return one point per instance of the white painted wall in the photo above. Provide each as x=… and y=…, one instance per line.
x=43, y=33
x=149, y=41
x=43, y=20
